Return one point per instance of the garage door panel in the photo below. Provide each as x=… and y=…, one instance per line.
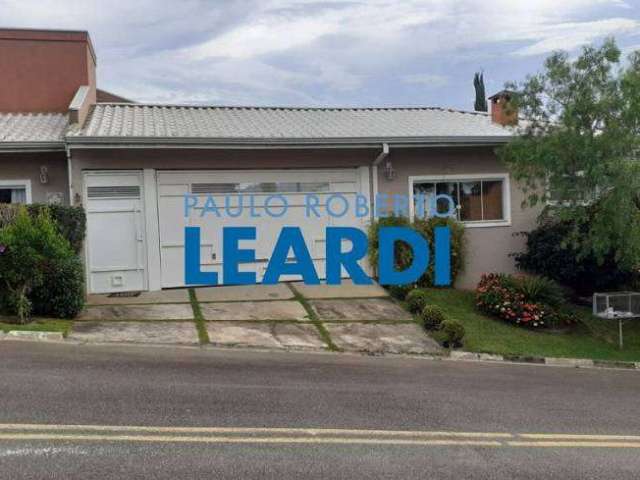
x=215, y=184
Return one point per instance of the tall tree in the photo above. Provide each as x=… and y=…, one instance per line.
x=579, y=146
x=481, y=97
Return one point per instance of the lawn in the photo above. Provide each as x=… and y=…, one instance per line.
x=40, y=326
x=593, y=338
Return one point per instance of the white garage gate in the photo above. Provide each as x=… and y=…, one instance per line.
x=294, y=185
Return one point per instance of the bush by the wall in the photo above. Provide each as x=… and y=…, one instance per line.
x=432, y=317
x=70, y=221
x=452, y=333
x=416, y=300
x=62, y=293
x=38, y=268
x=549, y=252
x=403, y=255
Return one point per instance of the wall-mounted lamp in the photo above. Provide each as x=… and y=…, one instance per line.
x=389, y=172
x=44, y=175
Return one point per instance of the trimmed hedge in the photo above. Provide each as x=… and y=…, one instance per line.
x=416, y=300
x=432, y=317
x=71, y=222
x=453, y=333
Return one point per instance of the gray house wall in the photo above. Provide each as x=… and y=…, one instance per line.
x=488, y=248
x=26, y=166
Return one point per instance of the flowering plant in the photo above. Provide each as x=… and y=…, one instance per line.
x=499, y=295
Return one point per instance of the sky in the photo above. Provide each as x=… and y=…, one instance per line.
x=325, y=53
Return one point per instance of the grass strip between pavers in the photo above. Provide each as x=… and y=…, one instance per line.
x=198, y=318
x=324, y=333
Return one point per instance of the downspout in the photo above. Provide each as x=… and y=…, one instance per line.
x=69, y=173
x=374, y=176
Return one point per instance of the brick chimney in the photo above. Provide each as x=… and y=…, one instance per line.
x=502, y=110
x=42, y=70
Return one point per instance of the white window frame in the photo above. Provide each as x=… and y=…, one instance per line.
x=506, y=195
x=26, y=184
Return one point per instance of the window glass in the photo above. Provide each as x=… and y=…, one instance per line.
x=13, y=195
x=470, y=201
x=424, y=194
x=492, y=200
x=264, y=187
x=446, y=188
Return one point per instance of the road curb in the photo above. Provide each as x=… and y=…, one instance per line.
x=33, y=336
x=455, y=355
x=460, y=355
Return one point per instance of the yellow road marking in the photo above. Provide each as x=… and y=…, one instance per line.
x=211, y=439
x=575, y=444
x=264, y=430
x=570, y=436
x=264, y=435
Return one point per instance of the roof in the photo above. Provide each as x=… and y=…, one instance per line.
x=32, y=130
x=138, y=123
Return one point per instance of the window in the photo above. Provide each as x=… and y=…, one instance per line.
x=264, y=187
x=15, y=191
x=481, y=200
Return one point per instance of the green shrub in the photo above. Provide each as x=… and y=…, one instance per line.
x=38, y=267
x=541, y=290
x=70, y=221
x=426, y=229
x=432, y=317
x=62, y=293
x=399, y=292
x=416, y=300
x=453, y=333
x=550, y=252
x=403, y=256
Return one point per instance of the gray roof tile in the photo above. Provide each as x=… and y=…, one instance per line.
x=172, y=122
x=32, y=127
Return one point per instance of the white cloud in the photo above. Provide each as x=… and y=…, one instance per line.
x=426, y=79
x=568, y=36
x=320, y=51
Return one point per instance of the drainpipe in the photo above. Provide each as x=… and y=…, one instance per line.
x=69, y=174
x=374, y=176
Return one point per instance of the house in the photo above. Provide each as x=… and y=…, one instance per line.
x=129, y=165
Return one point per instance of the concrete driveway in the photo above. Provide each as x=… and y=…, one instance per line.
x=347, y=317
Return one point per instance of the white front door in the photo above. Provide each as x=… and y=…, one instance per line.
x=116, y=252
x=292, y=184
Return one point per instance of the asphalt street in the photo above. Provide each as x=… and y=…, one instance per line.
x=73, y=411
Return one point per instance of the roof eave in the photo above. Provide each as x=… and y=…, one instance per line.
x=32, y=146
x=79, y=141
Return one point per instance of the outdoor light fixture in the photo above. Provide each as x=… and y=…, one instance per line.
x=44, y=175
x=389, y=172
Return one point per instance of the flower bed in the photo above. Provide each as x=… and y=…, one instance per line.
x=499, y=295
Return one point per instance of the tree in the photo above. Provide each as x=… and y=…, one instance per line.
x=578, y=144
x=481, y=97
